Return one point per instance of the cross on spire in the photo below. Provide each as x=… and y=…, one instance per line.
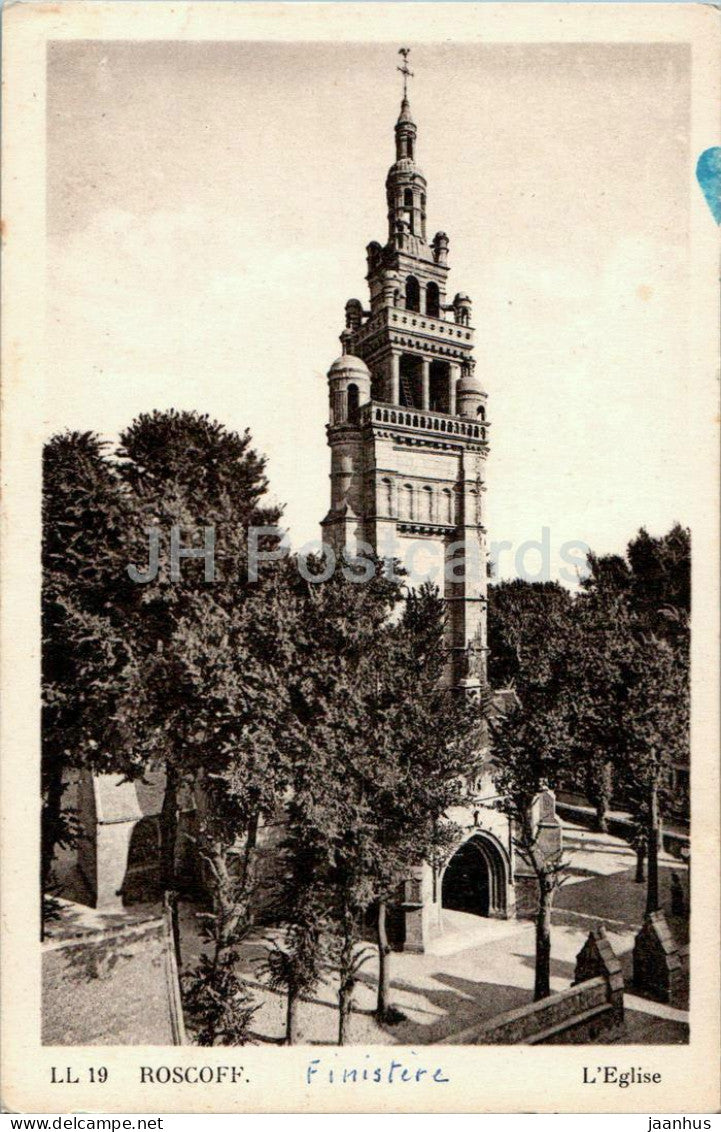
x=405, y=70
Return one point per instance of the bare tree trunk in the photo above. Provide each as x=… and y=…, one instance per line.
x=345, y=986
x=291, y=1017
x=341, y=1020
x=249, y=864
x=344, y=1007
x=51, y=820
x=168, y=844
x=169, y=829
x=652, y=894
x=640, y=864
x=542, y=987
x=383, y=1005
x=602, y=796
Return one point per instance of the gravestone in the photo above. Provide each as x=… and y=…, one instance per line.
x=657, y=967
x=597, y=957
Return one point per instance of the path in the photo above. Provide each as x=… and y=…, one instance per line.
x=482, y=967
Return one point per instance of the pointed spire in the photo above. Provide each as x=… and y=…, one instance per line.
x=405, y=183
x=405, y=118
x=405, y=71
x=405, y=126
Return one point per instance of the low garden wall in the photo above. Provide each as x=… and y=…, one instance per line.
x=591, y=1007
x=675, y=842
x=110, y=983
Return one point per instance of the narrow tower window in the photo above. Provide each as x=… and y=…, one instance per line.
x=408, y=208
x=448, y=505
x=387, y=496
x=413, y=294
x=439, y=386
x=433, y=300
x=353, y=404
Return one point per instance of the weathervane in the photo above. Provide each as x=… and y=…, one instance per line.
x=405, y=69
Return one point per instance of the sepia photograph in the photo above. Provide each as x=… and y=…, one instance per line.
x=367, y=460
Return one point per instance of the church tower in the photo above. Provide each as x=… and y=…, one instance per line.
x=408, y=431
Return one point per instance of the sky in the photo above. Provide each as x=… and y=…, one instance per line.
x=208, y=209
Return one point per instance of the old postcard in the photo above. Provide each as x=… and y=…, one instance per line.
x=360, y=558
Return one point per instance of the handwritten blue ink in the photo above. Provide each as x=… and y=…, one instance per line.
x=388, y=1073
x=708, y=174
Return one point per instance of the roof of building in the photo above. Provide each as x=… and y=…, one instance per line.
x=349, y=363
x=469, y=383
x=405, y=165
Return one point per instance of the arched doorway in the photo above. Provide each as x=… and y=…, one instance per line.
x=475, y=879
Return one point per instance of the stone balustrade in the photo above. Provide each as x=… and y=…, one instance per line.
x=399, y=318
x=379, y=413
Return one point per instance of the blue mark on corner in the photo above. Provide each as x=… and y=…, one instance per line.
x=708, y=174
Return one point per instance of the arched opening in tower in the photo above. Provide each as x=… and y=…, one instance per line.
x=411, y=381
x=413, y=293
x=433, y=300
x=438, y=386
x=408, y=212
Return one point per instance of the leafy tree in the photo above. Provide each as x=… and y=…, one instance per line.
x=90, y=674
x=600, y=649
x=295, y=966
x=424, y=742
x=292, y=969
x=526, y=621
x=339, y=628
x=218, y=1003
x=629, y=684
x=239, y=753
x=528, y=746
x=660, y=590
x=660, y=597
x=658, y=727
x=209, y=646
x=530, y=743
x=216, y=998
x=404, y=742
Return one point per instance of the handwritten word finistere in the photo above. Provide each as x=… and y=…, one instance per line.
x=386, y=1073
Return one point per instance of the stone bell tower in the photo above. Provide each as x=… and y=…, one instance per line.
x=408, y=431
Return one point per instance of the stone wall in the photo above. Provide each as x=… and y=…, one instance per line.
x=573, y=1016
x=589, y=1011
x=575, y=809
